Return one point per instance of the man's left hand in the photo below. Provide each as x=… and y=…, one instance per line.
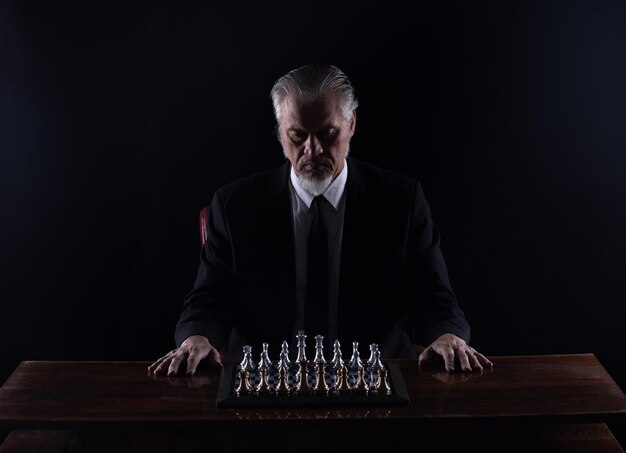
x=454, y=350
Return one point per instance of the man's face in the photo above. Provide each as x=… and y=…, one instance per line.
x=315, y=136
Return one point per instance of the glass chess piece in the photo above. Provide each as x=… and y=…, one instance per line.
x=337, y=361
x=361, y=385
x=319, y=349
x=355, y=361
x=321, y=386
x=284, y=351
x=265, y=361
x=343, y=380
x=370, y=361
x=301, y=337
x=247, y=363
x=303, y=377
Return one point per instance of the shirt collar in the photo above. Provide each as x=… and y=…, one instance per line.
x=332, y=193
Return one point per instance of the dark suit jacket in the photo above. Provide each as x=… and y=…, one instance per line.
x=394, y=288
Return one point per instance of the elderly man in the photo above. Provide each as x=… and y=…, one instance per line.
x=324, y=243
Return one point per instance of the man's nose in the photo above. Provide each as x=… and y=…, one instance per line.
x=313, y=146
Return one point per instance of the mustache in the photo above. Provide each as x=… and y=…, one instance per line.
x=317, y=161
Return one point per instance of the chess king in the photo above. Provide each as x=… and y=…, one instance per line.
x=325, y=242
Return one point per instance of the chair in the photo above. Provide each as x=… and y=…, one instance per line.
x=204, y=223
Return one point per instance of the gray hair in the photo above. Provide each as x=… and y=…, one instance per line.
x=312, y=82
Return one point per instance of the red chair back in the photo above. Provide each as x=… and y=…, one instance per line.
x=204, y=224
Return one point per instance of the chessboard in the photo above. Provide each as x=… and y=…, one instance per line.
x=230, y=394
x=316, y=382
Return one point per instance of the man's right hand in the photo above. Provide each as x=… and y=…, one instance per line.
x=192, y=351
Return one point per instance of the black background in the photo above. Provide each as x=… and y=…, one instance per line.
x=118, y=121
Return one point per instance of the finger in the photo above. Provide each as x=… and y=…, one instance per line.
x=214, y=357
x=474, y=361
x=448, y=358
x=158, y=362
x=192, y=363
x=197, y=355
x=484, y=360
x=153, y=365
x=161, y=359
x=463, y=360
x=160, y=369
x=175, y=364
x=193, y=360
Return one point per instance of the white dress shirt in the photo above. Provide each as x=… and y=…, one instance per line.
x=301, y=200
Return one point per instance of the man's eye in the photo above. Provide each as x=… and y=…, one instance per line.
x=297, y=136
x=328, y=132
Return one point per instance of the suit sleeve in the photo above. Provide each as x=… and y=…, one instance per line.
x=207, y=308
x=434, y=309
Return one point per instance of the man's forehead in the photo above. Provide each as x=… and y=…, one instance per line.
x=296, y=112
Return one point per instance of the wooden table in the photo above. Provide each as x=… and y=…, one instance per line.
x=526, y=403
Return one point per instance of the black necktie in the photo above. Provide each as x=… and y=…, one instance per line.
x=316, y=304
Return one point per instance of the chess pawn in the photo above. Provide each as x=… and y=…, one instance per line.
x=263, y=386
x=343, y=380
x=321, y=385
x=382, y=384
x=244, y=386
x=355, y=360
x=361, y=386
x=283, y=386
x=303, y=377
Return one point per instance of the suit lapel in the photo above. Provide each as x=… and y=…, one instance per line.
x=277, y=230
x=353, y=241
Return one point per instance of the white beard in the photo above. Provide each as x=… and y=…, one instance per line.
x=314, y=186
